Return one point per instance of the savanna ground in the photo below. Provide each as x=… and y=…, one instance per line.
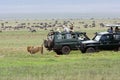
x=17, y=64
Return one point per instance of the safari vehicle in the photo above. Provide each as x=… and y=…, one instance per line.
x=63, y=43
x=113, y=27
x=101, y=41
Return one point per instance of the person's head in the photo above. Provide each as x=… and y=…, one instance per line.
x=111, y=28
x=116, y=27
x=63, y=26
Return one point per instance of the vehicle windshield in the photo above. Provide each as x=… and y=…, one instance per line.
x=97, y=38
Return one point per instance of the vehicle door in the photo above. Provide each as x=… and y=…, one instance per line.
x=66, y=39
x=106, y=42
x=71, y=40
x=116, y=41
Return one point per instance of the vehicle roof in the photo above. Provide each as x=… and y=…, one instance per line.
x=112, y=25
x=103, y=33
x=71, y=32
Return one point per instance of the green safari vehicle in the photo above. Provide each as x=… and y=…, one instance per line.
x=63, y=43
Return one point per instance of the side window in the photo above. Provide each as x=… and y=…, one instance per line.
x=68, y=36
x=73, y=36
x=81, y=37
x=111, y=37
x=103, y=38
x=107, y=37
x=60, y=36
x=117, y=37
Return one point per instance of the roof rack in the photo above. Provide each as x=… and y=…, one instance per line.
x=112, y=25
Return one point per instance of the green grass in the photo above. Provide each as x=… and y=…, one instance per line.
x=76, y=66
x=17, y=64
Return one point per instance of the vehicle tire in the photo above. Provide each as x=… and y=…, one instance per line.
x=65, y=50
x=58, y=52
x=90, y=50
x=83, y=51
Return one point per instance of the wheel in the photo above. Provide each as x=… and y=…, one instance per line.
x=90, y=50
x=65, y=49
x=58, y=52
x=83, y=51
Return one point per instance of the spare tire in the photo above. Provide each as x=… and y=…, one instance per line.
x=46, y=43
x=65, y=50
x=50, y=43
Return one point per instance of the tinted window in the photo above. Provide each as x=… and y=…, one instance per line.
x=68, y=36
x=106, y=37
x=81, y=37
x=60, y=36
x=73, y=36
x=117, y=37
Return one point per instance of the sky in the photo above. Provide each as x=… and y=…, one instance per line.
x=59, y=6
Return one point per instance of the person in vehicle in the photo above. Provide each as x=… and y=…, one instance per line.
x=117, y=29
x=110, y=30
x=66, y=29
x=71, y=28
x=51, y=35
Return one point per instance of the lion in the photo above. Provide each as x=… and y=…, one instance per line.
x=33, y=50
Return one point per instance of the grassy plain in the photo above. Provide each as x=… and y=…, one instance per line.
x=17, y=64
